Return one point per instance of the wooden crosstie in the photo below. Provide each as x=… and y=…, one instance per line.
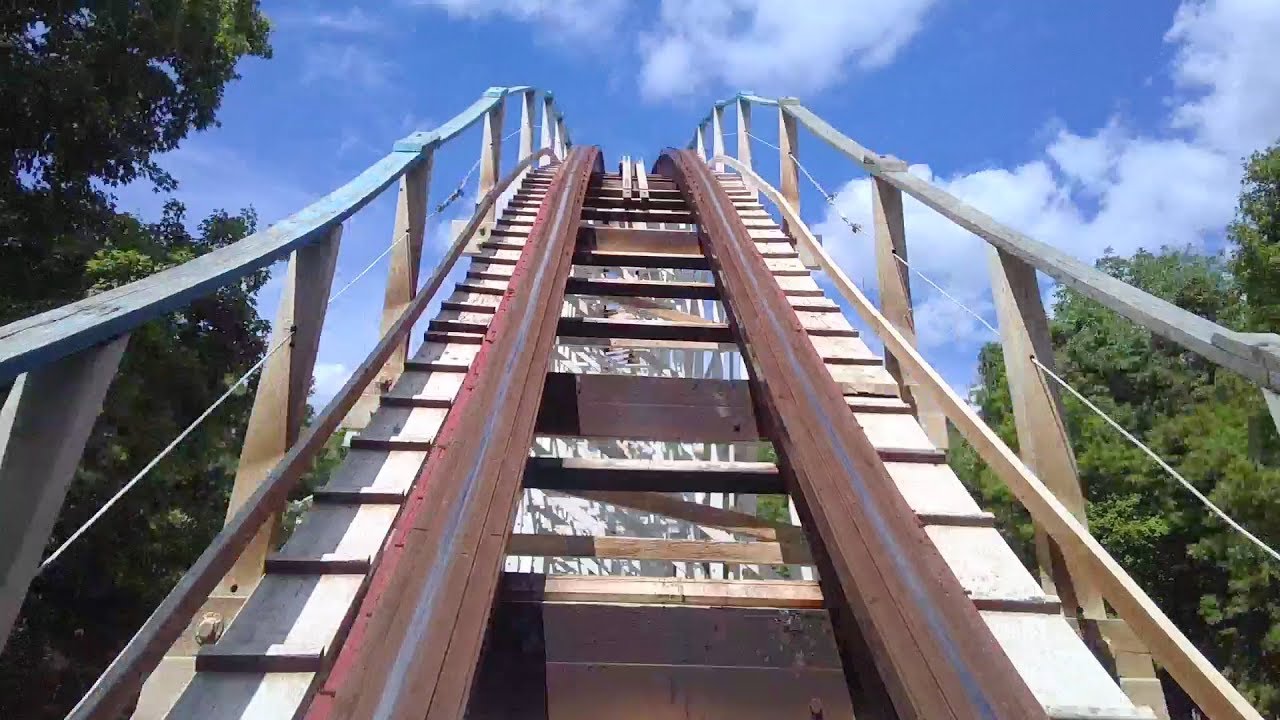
x=418, y=586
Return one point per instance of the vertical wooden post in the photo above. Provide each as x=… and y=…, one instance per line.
x=895, y=302
x=562, y=137
x=547, y=139
x=789, y=179
x=744, y=138
x=526, y=125
x=281, y=400
x=717, y=135
x=490, y=157
x=44, y=424
x=402, y=282
x=699, y=141
x=1045, y=446
x=274, y=425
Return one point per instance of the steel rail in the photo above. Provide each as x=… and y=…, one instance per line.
x=935, y=655
x=123, y=679
x=419, y=630
x=31, y=342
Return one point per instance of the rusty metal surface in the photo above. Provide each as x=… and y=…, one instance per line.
x=413, y=650
x=934, y=656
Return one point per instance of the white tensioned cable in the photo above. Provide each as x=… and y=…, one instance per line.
x=1110, y=421
x=831, y=199
x=1054, y=376
x=146, y=469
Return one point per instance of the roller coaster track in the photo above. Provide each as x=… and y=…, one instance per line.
x=405, y=590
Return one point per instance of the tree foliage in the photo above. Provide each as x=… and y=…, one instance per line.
x=1208, y=423
x=92, y=93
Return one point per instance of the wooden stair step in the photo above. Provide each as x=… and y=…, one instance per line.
x=372, y=476
x=401, y=428
x=288, y=624
x=641, y=260
x=335, y=538
x=536, y=587
x=641, y=288
x=425, y=389
x=466, y=301
x=644, y=329
x=652, y=475
x=631, y=548
x=236, y=695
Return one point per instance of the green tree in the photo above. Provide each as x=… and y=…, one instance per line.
x=1256, y=237
x=92, y=92
x=1208, y=423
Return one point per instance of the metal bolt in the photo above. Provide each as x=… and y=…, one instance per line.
x=209, y=629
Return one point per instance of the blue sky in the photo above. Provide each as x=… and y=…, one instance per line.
x=1088, y=124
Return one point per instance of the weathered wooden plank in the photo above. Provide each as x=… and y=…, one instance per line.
x=1179, y=656
x=650, y=408
x=44, y=424
x=401, y=428
x=372, y=476
x=572, y=474
x=644, y=329
x=641, y=288
x=624, y=240
x=419, y=389
x=335, y=538
x=537, y=587
x=120, y=683
x=239, y=695
x=640, y=260
x=674, y=506
x=625, y=548
x=288, y=625
x=34, y=341
x=1159, y=316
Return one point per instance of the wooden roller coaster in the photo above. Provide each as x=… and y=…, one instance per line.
x=416, y=585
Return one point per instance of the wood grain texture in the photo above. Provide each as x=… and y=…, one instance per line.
x=1194, y=673
x=625, y=548
x=44, y=424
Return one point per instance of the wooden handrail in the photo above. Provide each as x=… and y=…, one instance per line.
x=38, y=340
x=1194, y=673
x=123, y=678
x=1253, y=355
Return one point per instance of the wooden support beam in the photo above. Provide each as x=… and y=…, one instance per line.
x=789, y=177
x=717, y=135
x=934, y=655
x=574, y=474
x=279, y=407
x=644, y=330
x=1169, y=646
x=626, y=168
x=895, y=301
x=490, y=156
x=649, y=408
x=661, y=261
x=44, y=424
x=538, y=587
x=641, y=288
x=547, y=135
x=402, y=281
x=626, y=548
x=643, y=240
x=562, y=138
x=699, y=137
x=744, y=136
x=642, y=180
x=674, y=506
x=526, y=124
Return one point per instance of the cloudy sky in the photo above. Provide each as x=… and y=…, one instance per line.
x=1089, y=125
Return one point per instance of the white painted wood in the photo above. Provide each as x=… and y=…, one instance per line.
x=1206, y=686
x=744, y=136
x=428, y=388
x=414, y=427
x=375, y=473
x=700, y=140
x=547, y=134
x=1067, y=681
x=526, y=123
x=717, y=136
x=891, y=430
x=243, y=696
x=932, y=489
x=490, y=156
x=338, y=533
x=44, y=424
x=984, y=564
x=288, y=625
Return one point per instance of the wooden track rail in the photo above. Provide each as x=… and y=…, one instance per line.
x=549, y=508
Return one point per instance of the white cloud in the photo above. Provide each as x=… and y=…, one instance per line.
x=773, y=47
x=576, y=18
x=353, y=21
x=1111, y=188
x=346, y=67
x=329, y=379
